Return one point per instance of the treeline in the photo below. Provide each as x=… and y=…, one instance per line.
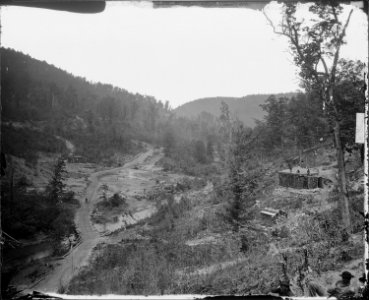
x=291, y=125
x=26, y=143
x=99, y=119
x=296, y=123
x=190, y=146
x=43, y=105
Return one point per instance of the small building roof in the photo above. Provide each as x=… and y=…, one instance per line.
x=270, y=211
x=302, y=171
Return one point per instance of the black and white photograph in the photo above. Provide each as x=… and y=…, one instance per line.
x=173, y=148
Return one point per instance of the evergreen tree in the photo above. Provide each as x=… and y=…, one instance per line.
x=225, y=122
x=200, y=152
x=210, y=149
x=56, y=186
x=244, y=173
x=169, y=142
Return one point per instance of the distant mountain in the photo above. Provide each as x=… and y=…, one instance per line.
x=247, y=109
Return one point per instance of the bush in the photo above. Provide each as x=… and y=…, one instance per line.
x=330, y=223
x=291, y=203
x=145, y=267
x=282, y=232
x=166, y=214
x=356, y=208
x=69, y=198
x=320, y=227
x=188, y=158
x=63, y=224
x=113, y=202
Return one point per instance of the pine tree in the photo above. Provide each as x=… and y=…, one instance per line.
x=210, y=149
x=244, y=173
x=56, y=187
x=200, y=152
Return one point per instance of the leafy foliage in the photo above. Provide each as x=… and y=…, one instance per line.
x=27, y=143
x=316, y=49
x=99, y=119
x=291, y=124
x=27, y=213
x=114, y=201
x=189, y=145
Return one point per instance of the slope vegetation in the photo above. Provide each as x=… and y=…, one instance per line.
x=247, y=109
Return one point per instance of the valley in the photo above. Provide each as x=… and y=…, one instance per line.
x=189, y=226
x=91, y=234
x=110, y=192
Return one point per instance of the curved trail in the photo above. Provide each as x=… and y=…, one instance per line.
x=78, y=257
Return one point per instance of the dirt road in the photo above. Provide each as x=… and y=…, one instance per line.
x=90, y=236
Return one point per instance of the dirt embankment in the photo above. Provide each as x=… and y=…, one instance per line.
x=133, y=176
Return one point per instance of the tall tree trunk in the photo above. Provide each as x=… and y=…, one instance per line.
x=343, y=194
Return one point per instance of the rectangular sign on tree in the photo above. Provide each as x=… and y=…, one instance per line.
x=360, y=128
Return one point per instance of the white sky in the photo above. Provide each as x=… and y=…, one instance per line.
x=176, y=54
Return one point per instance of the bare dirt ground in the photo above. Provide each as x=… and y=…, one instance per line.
x=133, y=177
x=132, y=182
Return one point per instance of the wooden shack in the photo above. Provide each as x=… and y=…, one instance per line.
x=300, y=178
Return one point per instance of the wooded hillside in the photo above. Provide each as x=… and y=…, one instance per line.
x=94, y=116
x=247, y=109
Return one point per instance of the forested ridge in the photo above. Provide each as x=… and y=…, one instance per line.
x=41, y=103
x=43, y=107
x=98, y=118
x=247, y=109
x=94, y=116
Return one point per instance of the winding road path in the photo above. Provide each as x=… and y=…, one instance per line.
x=90, y=237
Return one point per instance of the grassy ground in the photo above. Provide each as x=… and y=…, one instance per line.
x=188, y=246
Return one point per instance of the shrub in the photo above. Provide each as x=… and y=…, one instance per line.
x=69, y=198
x=356, y=208
x=63, y=224
x=282, y=232
x=113, y=202
x=145, y=267
x=290, y=203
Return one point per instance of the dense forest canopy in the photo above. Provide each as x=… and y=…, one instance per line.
x=94, y=116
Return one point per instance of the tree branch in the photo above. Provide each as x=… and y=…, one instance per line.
x=324, y=64
x=339, y=44
x=272, y=25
